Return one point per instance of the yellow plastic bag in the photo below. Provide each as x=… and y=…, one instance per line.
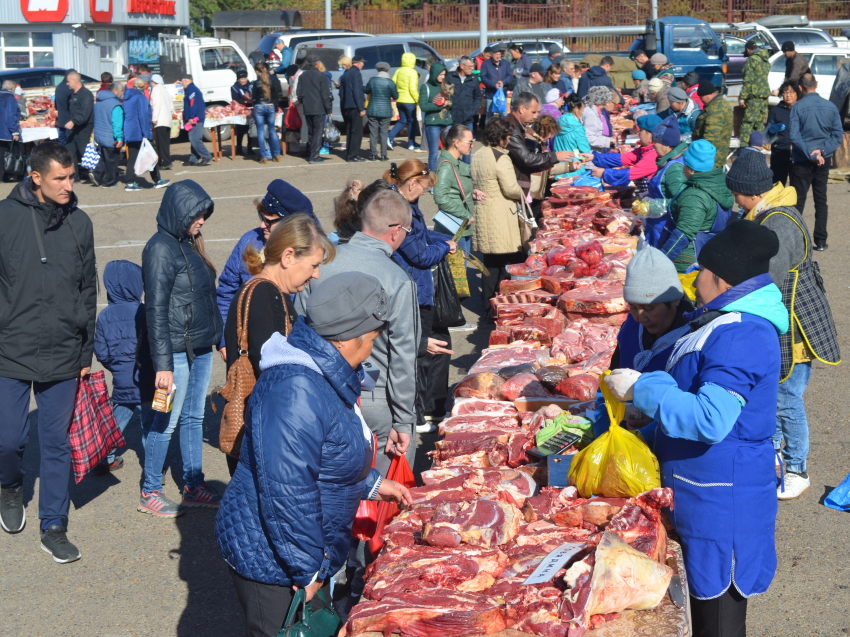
x=618, y=464
x=688, y=284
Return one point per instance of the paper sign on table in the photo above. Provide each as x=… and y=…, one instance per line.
x=553, y=563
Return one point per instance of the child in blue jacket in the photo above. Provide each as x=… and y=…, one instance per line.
x=120, y=344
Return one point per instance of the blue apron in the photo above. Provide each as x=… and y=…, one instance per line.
x=653, y=226
x=725, y=494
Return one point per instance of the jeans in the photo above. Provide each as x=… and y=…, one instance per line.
x=199, y=149
x=124, y=414
x=192, y=380
x=791, y=422
x=804, y=174
x=432, y=133
x=264, y=115
x=406, y=115
x=55, y=402
x=378, y=127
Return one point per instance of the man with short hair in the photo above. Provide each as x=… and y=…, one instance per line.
x=49, y=299
x=555, y=51
x=496, y=74
x=108, y=135
x=597, y=76
x=81, y=122
x=754, y=91
x=815, y=130
x=314, y=95
x=60, y=100
x=569, y=77
x=534, y=83
x=466, y=99
x=795, y=65
x=642, y=60
x=520, y=61
x=352, y=102
x=194, y=116
x=714, y=124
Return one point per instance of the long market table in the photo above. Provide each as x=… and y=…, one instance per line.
x=215, y=125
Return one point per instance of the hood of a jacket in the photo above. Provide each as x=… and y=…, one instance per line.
x=183, y=201
x=436, y=69
x=304, y=347
x=23, y=194
x=123, y=282
x=762, y=54
x=594, y=72
x=103, y=96
x=132, y=94
x=677, y=150
x=777, y=196
x=758, y=296
x=408, y=60
x=713, y=183
x=568, y=120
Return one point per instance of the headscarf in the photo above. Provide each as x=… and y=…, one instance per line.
x=597, y=96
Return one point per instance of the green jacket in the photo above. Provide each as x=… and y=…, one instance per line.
x=695, y=209
x=714, y=124
x=381, y=90
x=673, y=179
x=447, y=193
x=434, y=115
x=756, y=69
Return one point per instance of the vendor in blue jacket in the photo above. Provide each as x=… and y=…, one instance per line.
x=306, y=459
x=282, y=200
x=715, y=411
x=194, y=116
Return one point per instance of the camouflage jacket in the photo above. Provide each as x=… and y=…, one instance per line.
x=756, y=69
x=715, y=125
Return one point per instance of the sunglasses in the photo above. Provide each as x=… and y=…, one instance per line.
x=268, y=222
x=398, y=225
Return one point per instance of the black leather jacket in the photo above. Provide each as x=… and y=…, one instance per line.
x=525, y=160
x=179, y=285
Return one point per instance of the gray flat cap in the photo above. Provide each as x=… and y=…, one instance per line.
x=347, y=305
x=382, y=66
x=675, y=94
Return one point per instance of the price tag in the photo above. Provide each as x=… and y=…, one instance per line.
x=553, y=563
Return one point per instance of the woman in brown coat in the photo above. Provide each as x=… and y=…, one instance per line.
x=497, y=231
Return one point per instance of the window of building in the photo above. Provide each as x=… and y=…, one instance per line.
x=26, y=49
x=107, y=40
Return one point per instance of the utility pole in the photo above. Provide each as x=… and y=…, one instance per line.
x=653, y=9
x=328, y=14
x=482, y=23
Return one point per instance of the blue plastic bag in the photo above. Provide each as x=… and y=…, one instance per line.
x=500, y=103
x=839, y=497
x=589, y=180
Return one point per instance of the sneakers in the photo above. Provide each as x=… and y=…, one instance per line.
x=427, y=428
x=464, y=328
x=414, y=146
x=204, y=162
x=795, y=485
x=132, y=186
x=94, y=180
x=55, y=541
x=105, y=468
x=325, y=151
x=202, y=496
x=13, y=516
x=157, y=504
x=389, y=143
x=162, y=183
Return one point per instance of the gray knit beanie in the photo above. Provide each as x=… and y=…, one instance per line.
x=651, y=278
x=749, y=174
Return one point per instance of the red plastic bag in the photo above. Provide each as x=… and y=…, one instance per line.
x=401, y=472
x=292, y=120
x=366, y=518
x=94, y=431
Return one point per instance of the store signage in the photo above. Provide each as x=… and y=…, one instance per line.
x=163, y=7
x=101, y=10
x=44, y=10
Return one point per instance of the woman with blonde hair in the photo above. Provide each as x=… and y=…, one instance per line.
x=266, y=94
x=290, y=259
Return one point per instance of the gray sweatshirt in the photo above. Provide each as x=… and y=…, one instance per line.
x=394, y=352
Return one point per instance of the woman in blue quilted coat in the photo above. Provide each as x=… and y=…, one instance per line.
x=306, y=459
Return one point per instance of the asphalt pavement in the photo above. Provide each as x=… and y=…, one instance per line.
x=144, y=576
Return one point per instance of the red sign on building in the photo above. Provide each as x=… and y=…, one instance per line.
x=45, y=10
x=162, y=7
x=101, y=10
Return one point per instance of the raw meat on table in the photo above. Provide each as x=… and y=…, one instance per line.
x=591, y=252
x=486, y=482
x=468, y=406
x=480, y=385
x=593, y=300
x=579, y=387
x=528, y=333
x=535, y=263
x=508, y=286
x=526, y=385
x=616, y=319
x=483, y=522
x=518, y=269
x=497, y=359
x=479, y=423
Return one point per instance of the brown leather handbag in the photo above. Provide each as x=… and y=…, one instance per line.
x=240, y=377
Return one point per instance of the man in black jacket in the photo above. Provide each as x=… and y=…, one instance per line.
x=352, y=102
x=314, y=94
x=81, y=123
x=48, y=300
x=466, y=101
x=63, y=94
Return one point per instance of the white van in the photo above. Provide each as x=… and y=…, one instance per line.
x=824, y=63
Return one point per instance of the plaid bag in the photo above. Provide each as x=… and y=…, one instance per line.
x=90, y=157
x=94, y=432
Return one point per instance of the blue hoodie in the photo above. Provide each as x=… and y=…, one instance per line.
x=120, y=336
x=193, y=104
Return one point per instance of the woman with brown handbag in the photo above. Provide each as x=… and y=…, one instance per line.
x=293, y=253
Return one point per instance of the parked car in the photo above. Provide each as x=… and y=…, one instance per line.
x=40, y=77
x=384, y=48
x=536, y=49
x=803, y=36
x=294, y=37
x=824, y=63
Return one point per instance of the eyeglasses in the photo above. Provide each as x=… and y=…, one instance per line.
x=464, y=141
x=398, y=225
x=268, y=222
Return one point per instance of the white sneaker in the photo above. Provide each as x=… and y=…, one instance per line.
x=464, y=328
x=795, y=485
x=426, y=429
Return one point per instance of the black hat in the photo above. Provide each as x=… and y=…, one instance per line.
x=749, y=174
x=706, y=88
x=788, y=45
x=691, y=78
x=241, y=74
x=516, y=46
x=740, y=252
x=537, y=68
x=488, y=49
x=750, y=46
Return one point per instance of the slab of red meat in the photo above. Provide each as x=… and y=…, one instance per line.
x=497, y=359
x=479, y=423
x=522, y=309
x=595, y=512
x=483, y=522
x=468, y=406
x=508, y=286
x=486, y=482
x=623, y=256
x=465, y=443
x=433, y=613
x=499, y=337
x=406, y=527
x=639, y=523
x=480, y=459
x=422, y=568
x=480, y=385
x=594, y=300
x=518, y=269
x=528, y=333
x=616, y=243
x=559, y=283
x=525, y=385
x=561, y=256
x=591, y=252
x=530, y=296
x=597, y=364
x=536, y=263
x=536, y=610
x=453, y=490
x=580, y=387
x=616, y=319
x=553, y=321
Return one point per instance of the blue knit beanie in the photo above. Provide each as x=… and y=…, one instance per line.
x=284, y=199
x=648, y=122
x=700, y=156
x=667, y=132
x=638, y=75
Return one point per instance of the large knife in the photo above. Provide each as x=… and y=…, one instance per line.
x=677, y=593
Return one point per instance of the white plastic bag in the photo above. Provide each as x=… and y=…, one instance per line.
x=146, y=159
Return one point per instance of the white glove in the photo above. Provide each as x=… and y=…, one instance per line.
x=621, y=382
